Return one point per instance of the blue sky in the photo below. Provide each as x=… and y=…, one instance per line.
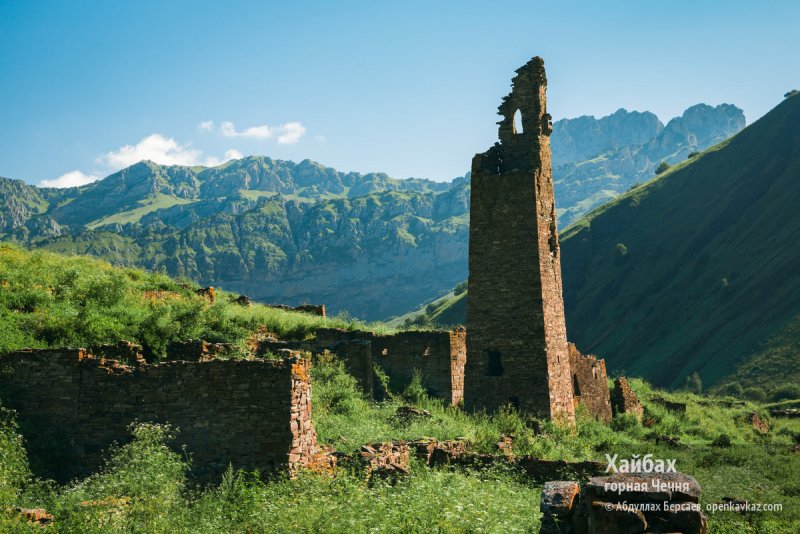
x=408, y=88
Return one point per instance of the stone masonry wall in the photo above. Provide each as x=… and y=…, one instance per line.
x=590, y=383
x=516, y=331
x=438, y=356
x=72, y=406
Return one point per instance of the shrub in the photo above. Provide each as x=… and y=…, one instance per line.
x=460, y=288
x=14, y=471
x=733, y=389
x=416, y=392
x=692, y=154
x=785, y=392
x=755, y=394
x=662, y=167
x=723, y=440
x=624, y=421
x=693, y=383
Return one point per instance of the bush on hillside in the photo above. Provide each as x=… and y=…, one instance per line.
x=755, y=394
x=693, y=383
x=662, y=167
x=785, y=392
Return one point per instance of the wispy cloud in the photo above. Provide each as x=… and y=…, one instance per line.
x=70, y=179
x=286, y=134
x=206, y=126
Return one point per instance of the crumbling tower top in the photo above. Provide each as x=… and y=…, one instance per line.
x=519, y=148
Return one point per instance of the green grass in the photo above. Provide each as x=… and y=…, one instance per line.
x=155, y=202
x=143, y=487
x=49, y=300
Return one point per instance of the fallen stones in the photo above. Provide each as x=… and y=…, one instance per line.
x=242, y=300
x=36, y=516
x=406, y=413
x=207, y=293
x=624, y=503
x=624, y=399
x=759, y=425
x=384, y=460
x=558, y=504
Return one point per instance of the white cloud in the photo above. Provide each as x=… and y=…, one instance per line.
x=291, y=132
x=70, y=179
x=286, y=134
x=154, y=147
x=320, y=138
x=228, y=129
x=230, y=154
x=206, y=126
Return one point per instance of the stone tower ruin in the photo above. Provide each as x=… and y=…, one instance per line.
x=516, y=333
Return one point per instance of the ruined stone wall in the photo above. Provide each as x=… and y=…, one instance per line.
x=438, y=356
x=516, y=331
x=198, y=350
x=590, y=383
x=313, y=309
x=72, y=406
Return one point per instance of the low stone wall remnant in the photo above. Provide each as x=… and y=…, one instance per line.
x=439, y=357
x=255, y=415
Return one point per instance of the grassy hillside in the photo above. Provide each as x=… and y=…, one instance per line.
x=47, y=299
x=52, y=300
x=694, y=271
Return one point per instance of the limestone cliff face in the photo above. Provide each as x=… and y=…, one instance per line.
x=584, y=137
x=594, y=160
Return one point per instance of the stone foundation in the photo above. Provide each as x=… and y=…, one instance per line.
x=255, y=415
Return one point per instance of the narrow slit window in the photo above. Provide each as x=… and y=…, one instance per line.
x=494, y=363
